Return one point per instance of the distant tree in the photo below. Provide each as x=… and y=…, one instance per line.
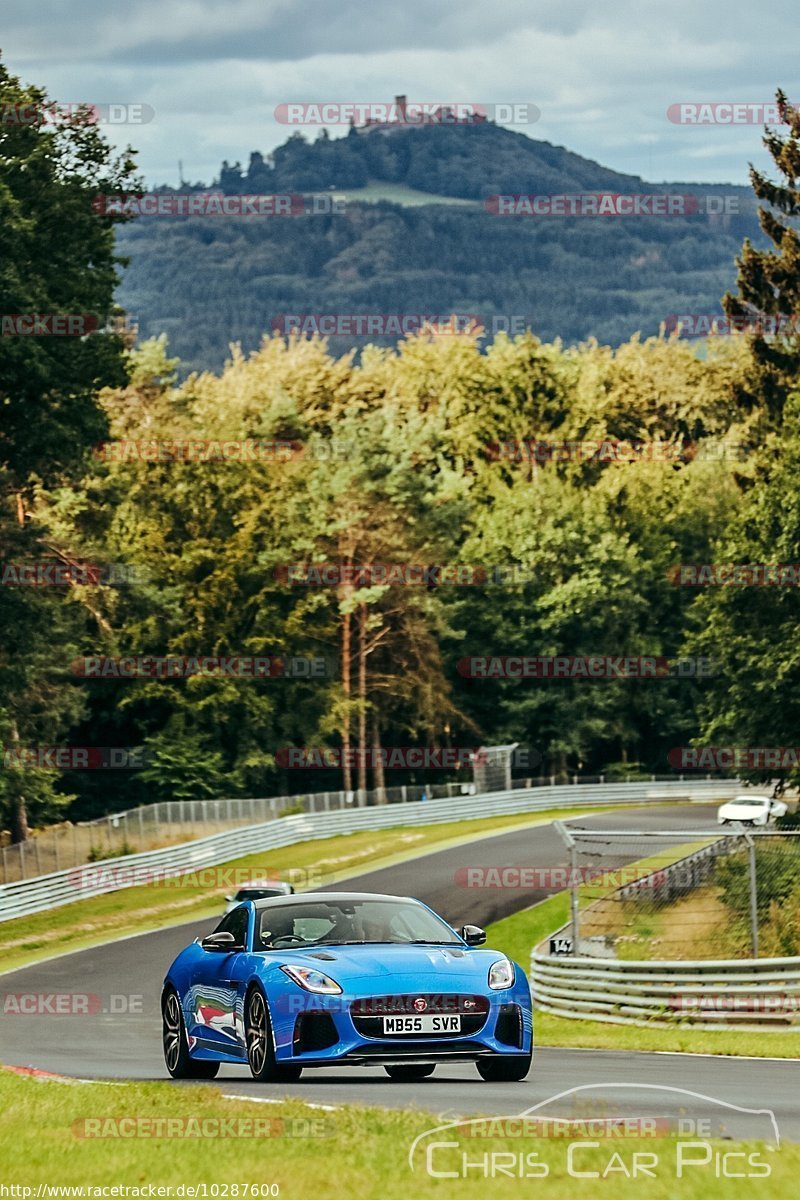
x=751, y=631
x=769, y=279
x=56, y=257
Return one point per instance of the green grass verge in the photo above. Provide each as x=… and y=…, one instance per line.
x=155, y=906
x=516, y=935
x=401, y=193
x=355, y=1152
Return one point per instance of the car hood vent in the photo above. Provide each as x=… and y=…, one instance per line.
x=323, y=954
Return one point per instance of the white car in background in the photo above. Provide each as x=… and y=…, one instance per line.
x=751, y=810
x=258, y=891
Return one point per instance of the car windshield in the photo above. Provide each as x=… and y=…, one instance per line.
x=351, y=923
x=748, y=800
x=257, y=893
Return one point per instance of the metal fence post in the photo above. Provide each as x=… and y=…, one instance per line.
x=751, y=846
x=572, y=845
x=573, y=897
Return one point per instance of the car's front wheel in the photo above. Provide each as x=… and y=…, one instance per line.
x=506, y=1068
x=179, y=1061
x=410, y=1072
x=260, y=1050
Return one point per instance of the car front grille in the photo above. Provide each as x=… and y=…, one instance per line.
x=367, y=1014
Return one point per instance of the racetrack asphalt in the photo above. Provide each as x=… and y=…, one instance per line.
x=122, y=1040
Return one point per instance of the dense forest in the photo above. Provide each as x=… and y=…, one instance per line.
x=421, y=455
x=209, y=282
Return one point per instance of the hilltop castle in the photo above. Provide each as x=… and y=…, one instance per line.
x=402, y=115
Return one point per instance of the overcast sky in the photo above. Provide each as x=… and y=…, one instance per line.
x=603, y=76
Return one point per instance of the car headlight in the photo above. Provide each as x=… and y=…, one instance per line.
x=313, y=981
x=501, y=974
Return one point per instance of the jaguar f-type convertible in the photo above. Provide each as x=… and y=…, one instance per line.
x=329, y=979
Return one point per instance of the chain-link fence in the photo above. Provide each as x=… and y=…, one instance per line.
x=171, y=822
x=682, y=895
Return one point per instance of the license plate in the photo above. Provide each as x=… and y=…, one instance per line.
x=426, y=1024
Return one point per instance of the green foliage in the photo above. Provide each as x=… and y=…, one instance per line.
x=623, y=772
x=101, y=853
x=752, y=631
x=56, y=257
x=397, y=468
x=779, y=935
x=776, y=878
x=210, y=283
x=769, y=278
x=181, y=766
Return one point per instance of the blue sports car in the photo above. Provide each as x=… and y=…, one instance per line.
x=329, y=978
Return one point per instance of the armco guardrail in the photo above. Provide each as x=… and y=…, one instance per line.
x=677, y=878
x=707, y=994
x=65, y=887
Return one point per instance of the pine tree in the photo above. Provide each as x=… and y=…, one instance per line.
x=769, y=279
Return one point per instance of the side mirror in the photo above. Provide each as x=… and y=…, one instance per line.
x=473, y=935
x=224, y=943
